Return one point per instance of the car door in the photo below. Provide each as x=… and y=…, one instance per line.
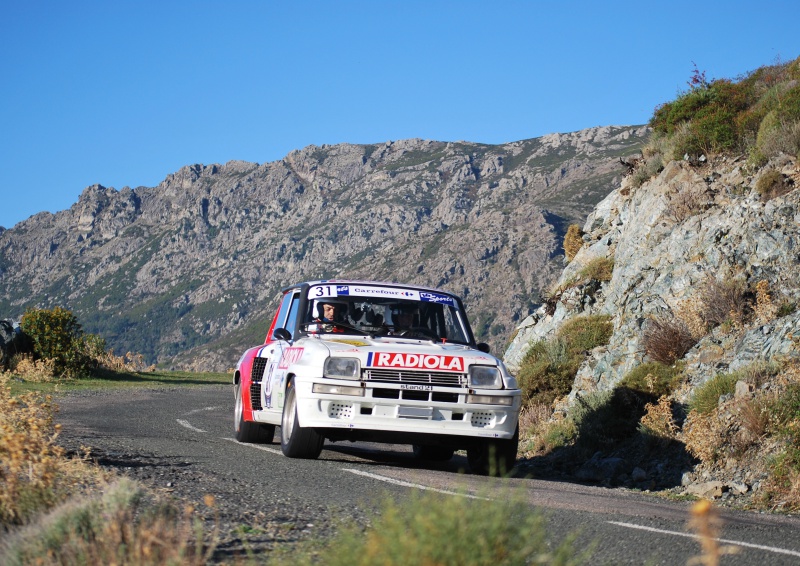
x=272, y=386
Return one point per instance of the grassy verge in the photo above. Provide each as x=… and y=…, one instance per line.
x=120, y=380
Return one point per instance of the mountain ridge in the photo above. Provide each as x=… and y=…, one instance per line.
x=185, y=272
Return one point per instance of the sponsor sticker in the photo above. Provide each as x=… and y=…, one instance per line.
x=290, y=356
x=415, y=361
x=436, y=298
x=351, y=342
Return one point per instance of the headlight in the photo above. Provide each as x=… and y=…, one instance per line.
x=342, y=368
x=485, y=377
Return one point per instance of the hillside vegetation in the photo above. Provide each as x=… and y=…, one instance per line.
x=695, y=386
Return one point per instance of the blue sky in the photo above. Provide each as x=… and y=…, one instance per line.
x=122, y=93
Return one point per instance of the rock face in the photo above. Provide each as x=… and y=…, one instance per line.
x=668, y=239
x=677, y=243
x=187, y=272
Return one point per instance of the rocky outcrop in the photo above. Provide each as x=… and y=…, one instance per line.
x=667, y=239
x=187, y=271
x=678, y=243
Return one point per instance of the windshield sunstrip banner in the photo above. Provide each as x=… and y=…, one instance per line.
x=327, y=291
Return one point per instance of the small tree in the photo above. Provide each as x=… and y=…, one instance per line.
x=57, y=335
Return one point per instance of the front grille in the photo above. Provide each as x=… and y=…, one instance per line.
x=259, y=365
x=255, y=395
x=256, y=374
x=439, y=378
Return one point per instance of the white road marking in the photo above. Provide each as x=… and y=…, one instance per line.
x=256, y=446
x=409, y=484
x=203, y=409
x=189, y=426
x=722, y=540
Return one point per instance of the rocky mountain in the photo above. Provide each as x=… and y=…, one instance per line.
x=187, y=272
x=705, y=287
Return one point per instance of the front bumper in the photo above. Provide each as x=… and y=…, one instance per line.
x=392, y=408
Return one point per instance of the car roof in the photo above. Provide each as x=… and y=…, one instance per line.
x=362, y=282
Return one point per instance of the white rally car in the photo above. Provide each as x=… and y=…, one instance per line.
x=378, y=362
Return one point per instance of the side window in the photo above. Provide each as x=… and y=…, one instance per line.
x=280, y=320
x=294, y=307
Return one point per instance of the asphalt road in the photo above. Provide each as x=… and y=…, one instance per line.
x=181, y=441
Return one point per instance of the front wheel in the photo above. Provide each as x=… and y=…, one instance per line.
x=297, y=441
x=248, y=431
x=495, y=457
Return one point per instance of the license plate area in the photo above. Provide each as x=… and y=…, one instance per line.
x=415, y=413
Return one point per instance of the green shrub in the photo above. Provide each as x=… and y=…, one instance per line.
x=706, y=396
x=583, y=333
x=784, y=422
x=545, y=374
x=604, y=419
x=548, y=369
x=757, y=114
x=57, y=335
x=653, y=378
x=427, y=528
x=126, y=525
x=771, y=184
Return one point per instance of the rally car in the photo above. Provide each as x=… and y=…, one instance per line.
x=378, y=362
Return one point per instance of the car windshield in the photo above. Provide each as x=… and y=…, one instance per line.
x=383, y=310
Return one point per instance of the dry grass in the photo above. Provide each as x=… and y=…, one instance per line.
x=724, y=300
x=691, y=313
x=689, y=200
x=703, y=435
x=658, y=420
x=773, y=184
x=765, y=309
x=34, y=471
x=30, y=369
x=706, y=522
x=126, y=525
x=573, y=241
x=598, y=269
x=667, y=339
x=130, y=362
x=50, y=515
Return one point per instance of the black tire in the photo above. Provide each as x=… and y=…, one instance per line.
x=297, y=441
x=256, y=433
x=495, y=457
x=432, y=453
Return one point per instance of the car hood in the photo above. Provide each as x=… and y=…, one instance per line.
x=402, y=353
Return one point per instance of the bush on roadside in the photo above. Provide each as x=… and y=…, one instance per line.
x=429, y=528
x=57, y=335
x=34, y=471
x=124, y=525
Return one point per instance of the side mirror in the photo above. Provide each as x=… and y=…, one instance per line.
x=282, y=334
x=483, y=347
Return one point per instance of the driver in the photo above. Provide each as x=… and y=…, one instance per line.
x=403, y=318
x=329, y=313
